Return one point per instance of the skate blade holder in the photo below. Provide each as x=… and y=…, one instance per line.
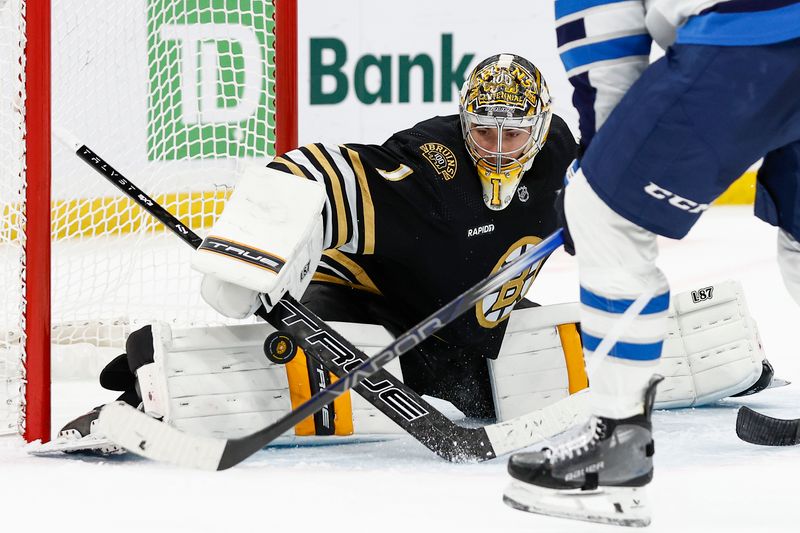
x=622, y=506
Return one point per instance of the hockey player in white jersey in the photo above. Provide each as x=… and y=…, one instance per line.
x=659, y=142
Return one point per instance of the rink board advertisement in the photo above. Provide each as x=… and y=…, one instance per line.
x=186, y=93
x=367, y=69
x=194, y=94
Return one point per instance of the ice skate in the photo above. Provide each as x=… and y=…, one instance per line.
x=80, y=435
x=597, y=473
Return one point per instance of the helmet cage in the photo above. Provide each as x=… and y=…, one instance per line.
x=503, y=93
x=502, y=160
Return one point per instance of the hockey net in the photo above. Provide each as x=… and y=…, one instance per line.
x=176, y=94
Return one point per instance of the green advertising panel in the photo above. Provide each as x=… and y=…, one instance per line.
x=211, y=79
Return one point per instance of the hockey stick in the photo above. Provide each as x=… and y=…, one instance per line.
x=389, y=395
x=757, y=428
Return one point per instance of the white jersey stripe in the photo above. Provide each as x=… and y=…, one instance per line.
x=351, y=191
x=301, y=160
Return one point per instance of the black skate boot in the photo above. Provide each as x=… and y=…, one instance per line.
x=763, y=382
x=80, y=435
x=596, y=473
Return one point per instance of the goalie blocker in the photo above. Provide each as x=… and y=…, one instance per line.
x=217, y=382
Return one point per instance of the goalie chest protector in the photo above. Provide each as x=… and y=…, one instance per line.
x=406, y=220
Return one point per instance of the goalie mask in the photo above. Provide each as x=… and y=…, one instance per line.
x=505, y=117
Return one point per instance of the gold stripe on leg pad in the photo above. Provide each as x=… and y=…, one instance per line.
x=573, y=356
x=300, y=392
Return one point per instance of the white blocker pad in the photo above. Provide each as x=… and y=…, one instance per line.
x=269, y=237
x=711, y=351
x=216, y=381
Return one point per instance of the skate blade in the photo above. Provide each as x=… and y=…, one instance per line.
x=88, y=445
x=622, y=506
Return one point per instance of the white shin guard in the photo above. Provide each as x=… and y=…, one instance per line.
x=616, y=259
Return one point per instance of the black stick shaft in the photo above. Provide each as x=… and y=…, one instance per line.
x=136, y=194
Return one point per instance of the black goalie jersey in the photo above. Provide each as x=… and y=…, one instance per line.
x=405, y=221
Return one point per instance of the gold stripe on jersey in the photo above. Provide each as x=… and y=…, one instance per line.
x=340, y=262
x=338, y=194
x=353, y=268
x=398, y=174
x=293, y=168
x=367, y=207
x=328, y=278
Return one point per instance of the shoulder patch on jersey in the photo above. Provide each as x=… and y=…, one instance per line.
x=401, y=172
x=441, y=158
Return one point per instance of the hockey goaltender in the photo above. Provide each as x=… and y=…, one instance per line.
x=392, y=232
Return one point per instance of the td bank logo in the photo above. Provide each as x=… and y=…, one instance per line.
x=331, y=82
x=211, y=93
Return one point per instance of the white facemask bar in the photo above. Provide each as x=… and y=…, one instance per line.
x=502, y=159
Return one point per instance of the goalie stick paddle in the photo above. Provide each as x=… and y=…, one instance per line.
x=757, y=428
x=388, y=394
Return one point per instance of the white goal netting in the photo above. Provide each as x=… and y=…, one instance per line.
x=177, y=95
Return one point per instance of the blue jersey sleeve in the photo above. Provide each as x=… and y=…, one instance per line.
x=605, y=47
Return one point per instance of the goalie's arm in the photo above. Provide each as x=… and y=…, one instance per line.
x=604, y=46
x=267, y=242
x=343, y=173
x=337, y=181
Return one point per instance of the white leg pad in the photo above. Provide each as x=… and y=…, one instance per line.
x=216, y=381
x=530, y=371
x=712, y=349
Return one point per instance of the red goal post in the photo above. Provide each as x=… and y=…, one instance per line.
x=127, y=92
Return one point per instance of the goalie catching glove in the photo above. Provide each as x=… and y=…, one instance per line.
x=267, y=241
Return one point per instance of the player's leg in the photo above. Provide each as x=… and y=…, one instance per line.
x=778, y=203
x=460, y=374
x=598, y=473
x=690, y=125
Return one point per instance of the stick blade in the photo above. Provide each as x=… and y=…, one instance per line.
x=146, y=436
x=756, y=428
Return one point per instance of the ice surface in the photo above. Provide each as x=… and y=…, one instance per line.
x=706, y=480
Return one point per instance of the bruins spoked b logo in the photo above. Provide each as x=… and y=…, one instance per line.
x=441, y=158
x=497, y=306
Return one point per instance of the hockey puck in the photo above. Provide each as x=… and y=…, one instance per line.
x=279, y=347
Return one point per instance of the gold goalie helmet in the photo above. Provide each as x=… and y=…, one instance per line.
x=505, y=117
